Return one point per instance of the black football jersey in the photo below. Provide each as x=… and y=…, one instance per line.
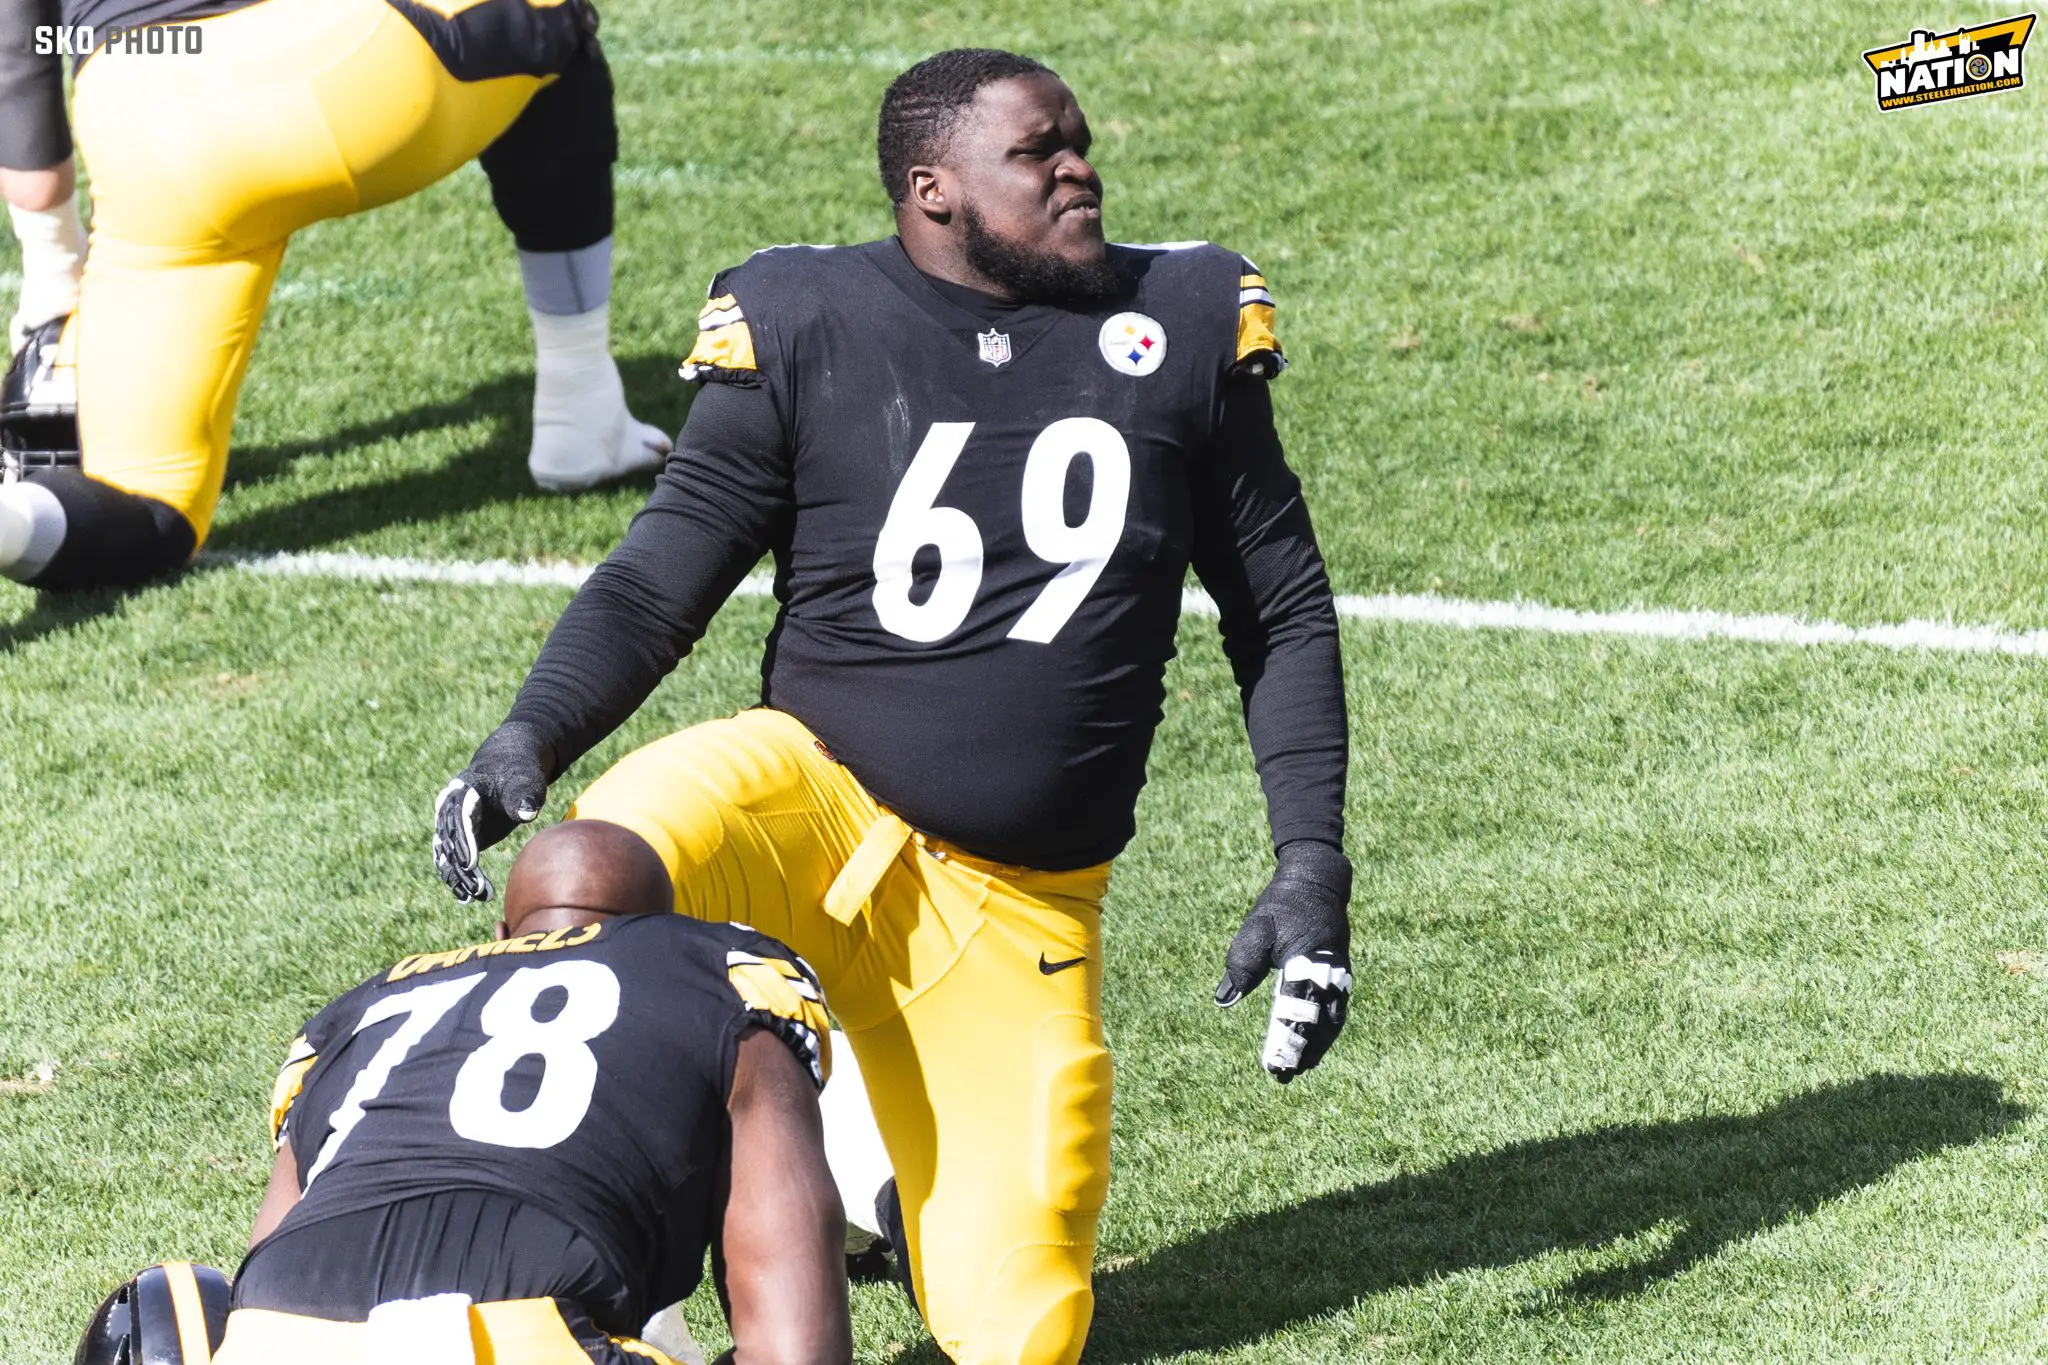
x=993, y=520
x=584, y=1070
x=980, y=531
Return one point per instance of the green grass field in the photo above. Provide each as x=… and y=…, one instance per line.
x=1701, y=985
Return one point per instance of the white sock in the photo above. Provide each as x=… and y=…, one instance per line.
x=572, y=354
x=32, y=527
x=582, y=432
x=52, y=258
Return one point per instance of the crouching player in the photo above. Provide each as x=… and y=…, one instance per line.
x=516, y=1152
x=271, y=117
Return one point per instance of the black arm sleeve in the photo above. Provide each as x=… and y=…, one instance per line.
x=34, y=135
x=722, y=500
x=1256, y=554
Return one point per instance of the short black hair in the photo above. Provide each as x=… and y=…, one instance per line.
x=924, y=102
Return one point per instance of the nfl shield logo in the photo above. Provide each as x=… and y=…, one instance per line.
x=995, y=346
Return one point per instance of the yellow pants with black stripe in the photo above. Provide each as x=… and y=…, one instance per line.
x=521, y=1332
x=203, y=165
x=971, y=992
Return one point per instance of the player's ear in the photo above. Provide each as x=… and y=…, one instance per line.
x=928, y=193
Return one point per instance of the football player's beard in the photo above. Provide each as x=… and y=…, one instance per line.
x=1036, y=276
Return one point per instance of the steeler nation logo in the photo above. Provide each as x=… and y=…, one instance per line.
x=1979, y=60
x=1133, y=344
x=995, y=347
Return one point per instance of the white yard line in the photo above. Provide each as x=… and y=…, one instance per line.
x=1408, y=608
x=478, y=573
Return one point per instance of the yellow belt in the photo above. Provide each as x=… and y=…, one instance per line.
x=854, y=888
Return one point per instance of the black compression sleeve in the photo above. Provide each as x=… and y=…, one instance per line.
x=551, y=171
x=34, y=135
x=1256, y=554
x=722, y=500
x=112, y=538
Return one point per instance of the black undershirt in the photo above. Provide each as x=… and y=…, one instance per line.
x=988, y=307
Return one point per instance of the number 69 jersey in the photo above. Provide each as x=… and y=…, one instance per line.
x=991, y=522
x=585, y=1070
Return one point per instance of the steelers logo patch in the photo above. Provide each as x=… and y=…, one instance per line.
x=1133, y=344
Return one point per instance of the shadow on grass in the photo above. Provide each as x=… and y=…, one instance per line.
x=493, y=470
x=1714, y=1179
x=53, y=613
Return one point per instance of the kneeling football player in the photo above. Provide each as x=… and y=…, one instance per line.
x=984, y=455
x=520, y=1150
x=265, y=118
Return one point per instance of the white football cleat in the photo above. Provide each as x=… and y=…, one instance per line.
x=583, y=434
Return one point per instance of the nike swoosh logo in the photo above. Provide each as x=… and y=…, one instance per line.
x=1050, y=967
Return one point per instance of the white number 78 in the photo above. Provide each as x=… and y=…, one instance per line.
x=476, y=1109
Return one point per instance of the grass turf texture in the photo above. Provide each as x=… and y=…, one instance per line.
x=1682, y=1030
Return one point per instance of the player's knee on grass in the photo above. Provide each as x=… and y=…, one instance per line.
x=104, y=537
x=1043, y=1308
x=1036, y=1311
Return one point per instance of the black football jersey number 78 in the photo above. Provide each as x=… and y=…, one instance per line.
x=992, y=521
x=585, y=1070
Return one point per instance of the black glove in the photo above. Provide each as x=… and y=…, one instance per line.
x=1299, y=925
x=504, y=786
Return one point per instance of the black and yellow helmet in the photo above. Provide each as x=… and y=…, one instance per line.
x=39, y=404
x=169, y=1314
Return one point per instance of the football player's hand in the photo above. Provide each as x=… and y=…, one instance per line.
x=504, y=786
x=1301, y=926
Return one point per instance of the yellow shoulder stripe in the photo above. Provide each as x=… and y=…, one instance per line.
x=1258, y=347
x=290, y=1081
x=778, y=987
x=724, y=341
x=1255, y=333
x=729, y=348
x=719, y=311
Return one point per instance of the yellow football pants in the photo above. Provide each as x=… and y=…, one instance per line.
x=203, y=164
x=520, y=1332
x=971, y=992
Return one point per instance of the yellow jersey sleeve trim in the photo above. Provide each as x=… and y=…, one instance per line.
x=792, y=1003
x=1258, y=345
x=725, y=344
x=290, y=1081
